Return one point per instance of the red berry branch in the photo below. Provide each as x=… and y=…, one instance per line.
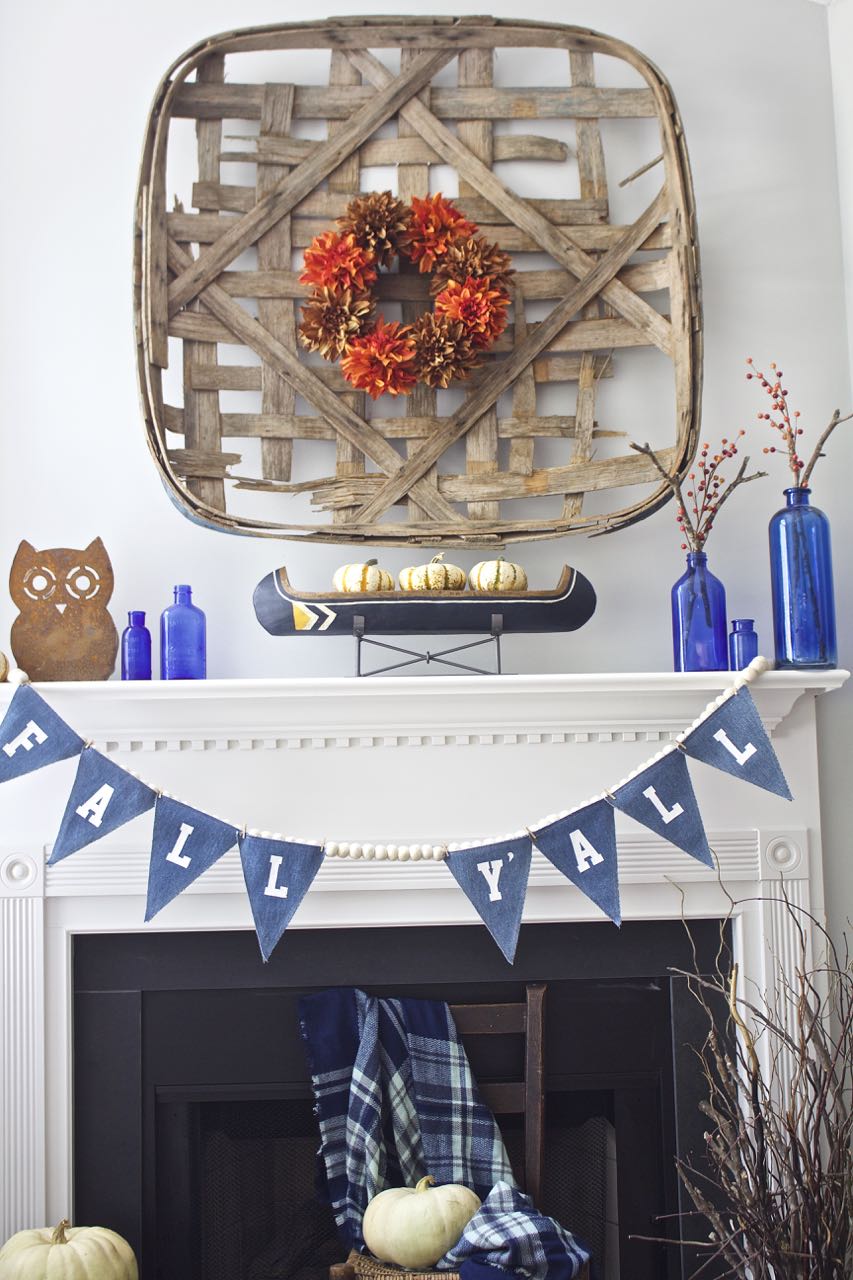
x=788, y=424
x=709, y=489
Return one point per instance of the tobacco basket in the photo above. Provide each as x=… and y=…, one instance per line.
x=518, y=453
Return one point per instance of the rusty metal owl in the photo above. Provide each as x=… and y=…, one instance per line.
x=63, y=630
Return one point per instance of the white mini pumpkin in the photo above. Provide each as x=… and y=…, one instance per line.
x=4, y=667
x=46, y=1253
x=415, y=1226
x=435, y=576
x=362, y=577
x=497, y=575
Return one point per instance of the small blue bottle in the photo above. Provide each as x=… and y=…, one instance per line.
x=743, y=643
x=183, y=639
x=136, y=648
x=699, y=619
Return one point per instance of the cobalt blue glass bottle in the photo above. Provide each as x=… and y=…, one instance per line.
x=743, y=643
x=801, y=581
x=699, y=618
x=183, y=639
x=136, y=648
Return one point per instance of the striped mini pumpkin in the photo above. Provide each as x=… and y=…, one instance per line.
x=362, y=577
x=435, y=576
x=497, y=575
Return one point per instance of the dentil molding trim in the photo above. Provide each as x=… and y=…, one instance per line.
x=330, y=713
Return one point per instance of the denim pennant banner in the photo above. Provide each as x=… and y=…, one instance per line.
x=278, y=874
x=583, y=846
x=733, y=739
x=662, y=799
x=31, y=736
x=185, y=843
x=494, y=879
x=104, y=797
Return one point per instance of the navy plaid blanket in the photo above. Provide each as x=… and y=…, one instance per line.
x=395, y=1100
x=508, y=1234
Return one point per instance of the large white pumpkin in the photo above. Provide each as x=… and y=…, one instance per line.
x=497, y=575
x=415, y=1226
x=362, y=577
x=435, y=576
x=67, y=1253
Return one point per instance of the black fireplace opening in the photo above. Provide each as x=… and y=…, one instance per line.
x=195, y=1135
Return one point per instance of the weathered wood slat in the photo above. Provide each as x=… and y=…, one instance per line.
x=481, y=443
x=343, y=183
x=412, y=180
x=203, y=464
x=248, y=377
x=329, y=205
x=276, y=314
x=533, y=286
x=609, y=473
x=593, y=184
x=301, y=427
x=201, y=228
x=521, y=450
x=375, y=111
x=202, y=428
x=395, y=151
x=243, y=102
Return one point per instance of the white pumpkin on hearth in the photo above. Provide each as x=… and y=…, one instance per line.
x=67, y=1253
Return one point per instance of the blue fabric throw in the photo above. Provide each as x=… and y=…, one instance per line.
x=508, y=1234
x=395, y=1100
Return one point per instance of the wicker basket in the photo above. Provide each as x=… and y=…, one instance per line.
x=370, y=1268
x=514, y=461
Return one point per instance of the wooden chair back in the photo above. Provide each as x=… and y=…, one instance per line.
x=524, y=1097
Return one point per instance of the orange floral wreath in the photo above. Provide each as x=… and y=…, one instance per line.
x=469, y=279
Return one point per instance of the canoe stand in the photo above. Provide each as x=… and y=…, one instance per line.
x=415, y=656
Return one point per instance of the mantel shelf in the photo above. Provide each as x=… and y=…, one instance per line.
x=339, y=711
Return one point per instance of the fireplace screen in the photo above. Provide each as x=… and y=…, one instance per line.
x=258, y=1217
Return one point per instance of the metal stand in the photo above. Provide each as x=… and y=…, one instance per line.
x=414, y=656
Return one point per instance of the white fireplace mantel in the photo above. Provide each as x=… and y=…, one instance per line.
x=380, y=759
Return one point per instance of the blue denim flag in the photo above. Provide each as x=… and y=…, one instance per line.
x=583, y=846
x=104, y=797
x=662, y=799
x=31, y=736
x=185, y=843
x=278, y=874
x=494, y=879
x=733, y=739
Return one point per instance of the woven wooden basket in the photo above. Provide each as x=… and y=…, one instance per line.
x=497, y=467
x=372, y=1269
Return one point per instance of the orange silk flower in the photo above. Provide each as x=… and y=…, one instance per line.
x=381, y=360
x=477, y=306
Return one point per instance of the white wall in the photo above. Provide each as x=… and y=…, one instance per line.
x=752, y=79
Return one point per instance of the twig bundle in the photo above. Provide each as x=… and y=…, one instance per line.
x=779, y=1199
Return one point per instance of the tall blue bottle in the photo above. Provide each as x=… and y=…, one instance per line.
x=136, y=648
x=801, y=582
x=183, y=639
x=699, y=619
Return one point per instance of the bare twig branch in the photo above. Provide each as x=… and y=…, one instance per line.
x=818, y=449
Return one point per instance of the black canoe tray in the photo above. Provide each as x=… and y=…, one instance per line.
x=283, y=611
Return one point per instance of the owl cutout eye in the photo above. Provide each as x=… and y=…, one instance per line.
x=39, y=582
x=82, y=582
